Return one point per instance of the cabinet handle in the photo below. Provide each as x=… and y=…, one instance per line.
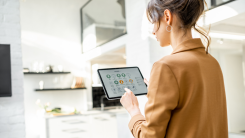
x=73, y=121
x=74, y=130
x=101, y=118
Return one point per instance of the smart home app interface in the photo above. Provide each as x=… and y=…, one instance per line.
x=115, y=80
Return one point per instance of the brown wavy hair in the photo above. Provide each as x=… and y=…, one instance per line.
x=188, y=11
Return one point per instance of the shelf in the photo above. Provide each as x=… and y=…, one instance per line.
x=47, y=72
x=58, y=89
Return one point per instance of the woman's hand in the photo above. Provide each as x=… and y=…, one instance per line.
x=130, y=102
x=146, y=81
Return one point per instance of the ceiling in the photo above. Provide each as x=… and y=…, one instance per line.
x=238, y=20
x=112, y=57
x=233, y=25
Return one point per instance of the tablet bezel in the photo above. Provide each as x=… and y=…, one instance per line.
x=107, y=96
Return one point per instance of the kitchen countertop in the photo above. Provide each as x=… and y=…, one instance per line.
x=237, y=133
x=91, y=112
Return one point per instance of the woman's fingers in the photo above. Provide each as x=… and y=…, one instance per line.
x=132, y=96
x=127, y=90
x=146, y=81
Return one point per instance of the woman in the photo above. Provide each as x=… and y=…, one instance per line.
x=186, y=95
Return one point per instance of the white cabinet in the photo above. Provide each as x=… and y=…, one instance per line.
x=103, y=126
x=82, y=126
x=122, y=126
x=68, y=127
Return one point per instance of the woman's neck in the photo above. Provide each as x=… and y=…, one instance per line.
x=179, y=37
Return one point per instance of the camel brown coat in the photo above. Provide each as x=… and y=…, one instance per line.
x=186, y=97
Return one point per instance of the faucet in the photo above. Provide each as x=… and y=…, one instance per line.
x=102, y=102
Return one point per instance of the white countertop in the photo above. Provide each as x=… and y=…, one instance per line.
x=91, y=112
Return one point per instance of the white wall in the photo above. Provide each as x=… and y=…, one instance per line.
x=51, y=35
x=59, y=18
x=234, y=91
x=51, y=27
x=12, y=121
x=230, y=57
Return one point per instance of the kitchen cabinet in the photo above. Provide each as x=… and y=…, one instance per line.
x=68, y=127
x=103, y=126
x=100, y=125
x=122, y=125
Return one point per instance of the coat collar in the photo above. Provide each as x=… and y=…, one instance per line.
x=188, y=45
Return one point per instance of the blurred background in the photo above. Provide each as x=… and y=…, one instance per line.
x=56, y=47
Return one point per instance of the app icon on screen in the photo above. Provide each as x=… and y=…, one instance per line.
x=121, y=81
x=130, y=80
x=108, y=76
x=116, y=82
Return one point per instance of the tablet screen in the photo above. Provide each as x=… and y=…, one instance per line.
x=114, y=81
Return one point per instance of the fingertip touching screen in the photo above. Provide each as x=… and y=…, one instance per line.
x=114, y=80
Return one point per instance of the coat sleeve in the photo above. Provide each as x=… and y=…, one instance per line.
x=163, y=97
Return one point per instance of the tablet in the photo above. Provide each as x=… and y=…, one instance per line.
x=114, y=80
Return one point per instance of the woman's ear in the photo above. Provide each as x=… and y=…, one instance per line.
x=168, y=16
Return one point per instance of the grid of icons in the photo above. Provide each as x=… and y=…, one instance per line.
x=120, y=81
